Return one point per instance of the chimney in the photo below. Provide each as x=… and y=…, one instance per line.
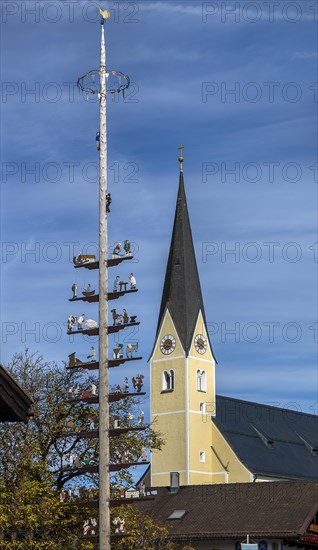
x=174, y=482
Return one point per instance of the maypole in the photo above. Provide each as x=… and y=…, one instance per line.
x=87, y=84
x=104, y=481
x=101, y=82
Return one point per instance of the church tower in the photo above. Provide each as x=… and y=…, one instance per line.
x=182, y=364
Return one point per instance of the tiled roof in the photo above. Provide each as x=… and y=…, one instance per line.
x=292, y=438
x=278, y=509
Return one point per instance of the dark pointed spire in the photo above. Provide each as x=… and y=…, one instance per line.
x=182, y=291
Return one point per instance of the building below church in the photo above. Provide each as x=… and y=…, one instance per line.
x=212, y=439
x=273, y=516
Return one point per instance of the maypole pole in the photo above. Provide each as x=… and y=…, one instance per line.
x=104, y=479
x=110, y=82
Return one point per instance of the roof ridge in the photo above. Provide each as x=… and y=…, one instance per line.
x=267, y=406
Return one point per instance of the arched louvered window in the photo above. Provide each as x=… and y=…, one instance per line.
x=201, y=380
x=168, y=380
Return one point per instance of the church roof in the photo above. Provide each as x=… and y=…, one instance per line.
x=283, y=509
x=270, y=441
x=182, y=294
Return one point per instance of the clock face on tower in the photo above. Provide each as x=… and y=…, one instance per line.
x=167, y=344
x=200, y=343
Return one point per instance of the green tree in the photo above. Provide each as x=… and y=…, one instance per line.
x=144, y=532
x=31, y=455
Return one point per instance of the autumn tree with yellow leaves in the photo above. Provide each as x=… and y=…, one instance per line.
x=31, y=459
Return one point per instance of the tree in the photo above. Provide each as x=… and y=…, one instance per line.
x=31, y=456
x=30, y=516
x=39, y=440
x=143, y=532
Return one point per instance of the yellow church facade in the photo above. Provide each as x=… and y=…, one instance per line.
x=210, y=438
x=182, y=412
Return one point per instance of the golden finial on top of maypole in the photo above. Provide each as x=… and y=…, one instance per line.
x=181, y=159
x=105, y=15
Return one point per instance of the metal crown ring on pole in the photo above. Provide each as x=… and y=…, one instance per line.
x=91, y=88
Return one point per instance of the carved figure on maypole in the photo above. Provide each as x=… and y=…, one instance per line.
x=126, y=385
x=138, y=382
x=116, y=283
x=130, y=349
x=118, y=351
x=87, y=290
x=91, y=324
x=133, y=282
x=80, y=321
x=128, y=456
x=86, y=527
x=123, y=284
x=127, y=247
x=116, y=251
x=93, y=389
x=74, y=290
x=119, y=524
x=117, y=317
x=93, y=526
x=98, y=141
x=71, y=322
x=108, y=202
x=118, y=456
x=92, y=355
x=117, y=420
x=125, y=317
x=82, y=259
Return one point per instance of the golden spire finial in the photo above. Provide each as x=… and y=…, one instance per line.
x=181, y=159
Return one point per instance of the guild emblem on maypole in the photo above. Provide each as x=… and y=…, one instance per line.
x=105, y=15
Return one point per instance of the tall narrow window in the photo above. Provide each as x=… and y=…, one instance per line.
x=168, y=380
x=201, y=380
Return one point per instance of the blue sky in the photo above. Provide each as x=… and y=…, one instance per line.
x=184, y=59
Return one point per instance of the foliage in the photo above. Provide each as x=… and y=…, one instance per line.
x=29, y=545
x=37, y=442
x=31, y=456
x=143, y=532
x=29, y=510
x=43, y=439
